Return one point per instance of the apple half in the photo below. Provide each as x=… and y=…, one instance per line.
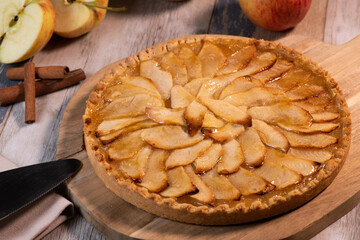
x=77, y=17
x=26, y=26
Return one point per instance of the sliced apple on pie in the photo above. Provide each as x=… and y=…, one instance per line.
x=212, y=58
x=216, y=130
x=161, y=78
x=169, y=137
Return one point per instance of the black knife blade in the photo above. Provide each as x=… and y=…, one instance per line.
x=22, y=186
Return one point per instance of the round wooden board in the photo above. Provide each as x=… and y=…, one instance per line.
x=117, y=219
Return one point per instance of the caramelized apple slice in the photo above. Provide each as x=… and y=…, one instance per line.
x=324, y=116
x=240, y=84
x=166, y=115
x=194, y=86
x=301, y=166
x=311, y=108
x=253, y=148
x=214, y=86
x=293, y=78
x=205, y=195
x=109, y=126
x=226, y=133
x=109, y=138
x=278, y=175
x=276, y=71
x=194, y=116
x=314, y=128
x=317, y=140
x=208, y=159
x=134, y=167
x=210, y=121
x=169, y=137
x=155, y=177
x=285, y=113
x=127, y=146
x=179, y=183
x=191, y=61
x=238, y=60
x=124, y=90
x=180, y=98
x=171, y=63
x=220, y=186
x=248, y=182
x=304, y=91
x=257, y=96
x=317, y=155
x=212, y=58
x=161, y=78
x=231, y=159
x=227, y=111
x=270, y=136
x=142, y=82
x=258, y=64
x=130, y=106
x=185, y=156
x=323, y=100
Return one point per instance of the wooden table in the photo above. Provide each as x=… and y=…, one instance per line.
x=144, y=24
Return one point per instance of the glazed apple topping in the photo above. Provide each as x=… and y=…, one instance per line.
x=179, y=183
x=164, y=115
x=162, y=79
x=237, y=60
x=212, y=58
x=240, y=84
x=192, y=63
x=209, y=124
x=180, y=97
x=185, y=156
x=253, y=148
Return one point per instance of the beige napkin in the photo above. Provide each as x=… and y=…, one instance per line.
x=37, y=219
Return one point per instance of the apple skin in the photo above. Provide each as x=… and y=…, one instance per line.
x=276, y=15
x=47, y=29
x=96, y=16
x=43, y=37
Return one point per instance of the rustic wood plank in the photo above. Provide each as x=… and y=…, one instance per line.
x=342, y=21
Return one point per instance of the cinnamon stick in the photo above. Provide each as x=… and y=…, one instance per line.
x=14, y=94
x=51, y=72
x=29, y=89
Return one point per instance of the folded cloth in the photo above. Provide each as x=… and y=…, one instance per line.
x=37, y=219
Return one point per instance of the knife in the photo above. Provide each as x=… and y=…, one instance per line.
x=21, y=186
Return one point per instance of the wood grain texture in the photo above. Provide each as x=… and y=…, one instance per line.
x=116, y=218
x=338, y=13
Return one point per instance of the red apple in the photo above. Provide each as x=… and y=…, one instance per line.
x=276, y=15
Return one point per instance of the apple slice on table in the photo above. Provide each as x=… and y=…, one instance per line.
x=77, y=17
x=26, y=27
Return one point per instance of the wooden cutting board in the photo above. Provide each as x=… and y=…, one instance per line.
x=117, y=219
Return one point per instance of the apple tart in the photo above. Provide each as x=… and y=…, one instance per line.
x=217, y=130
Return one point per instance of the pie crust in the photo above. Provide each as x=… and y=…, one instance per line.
x=217, y=130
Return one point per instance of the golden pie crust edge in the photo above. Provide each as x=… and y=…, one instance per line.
x=221, y=214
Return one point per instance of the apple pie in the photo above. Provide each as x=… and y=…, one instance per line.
x=217, y=130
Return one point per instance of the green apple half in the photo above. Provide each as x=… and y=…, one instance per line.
x=26, y=26
x=77, y=17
